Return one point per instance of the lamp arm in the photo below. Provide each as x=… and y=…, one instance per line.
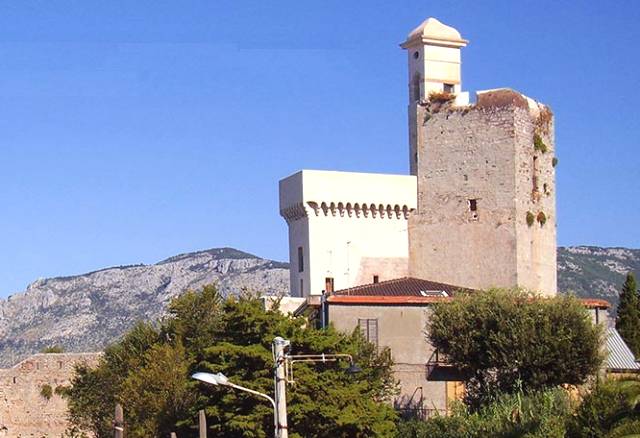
x=259, y=394
x=290, y=359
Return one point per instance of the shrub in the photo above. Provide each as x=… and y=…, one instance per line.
x=530, y=218
x=538, y=144
x=46, y=391
x=61, y=390
x=606, y=411
x=537, y=415
x=52, y=349
x=542, y=218
x=441, y=96
x=543, y=121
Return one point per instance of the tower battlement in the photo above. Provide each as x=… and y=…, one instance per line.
x=346, y=228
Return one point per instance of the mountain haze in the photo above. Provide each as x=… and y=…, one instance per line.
x=86, y=312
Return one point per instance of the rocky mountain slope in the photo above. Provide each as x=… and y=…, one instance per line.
x=86, y=312
x=594, y=272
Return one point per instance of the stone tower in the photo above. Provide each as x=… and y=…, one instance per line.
x=486, y=211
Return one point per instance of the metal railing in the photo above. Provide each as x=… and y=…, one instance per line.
x=419, y=413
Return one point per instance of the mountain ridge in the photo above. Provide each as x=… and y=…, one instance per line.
x=85, y=312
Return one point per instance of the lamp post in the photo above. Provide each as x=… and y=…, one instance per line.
x=279, y=375
x=221, y=379
x=282, y=374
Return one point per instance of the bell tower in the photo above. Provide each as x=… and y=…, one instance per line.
x=434, y=60
x=485, y=175
x=433, y=50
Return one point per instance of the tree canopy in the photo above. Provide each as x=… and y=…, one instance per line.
x=628, y=314
x=505, y=341
x=148, y=373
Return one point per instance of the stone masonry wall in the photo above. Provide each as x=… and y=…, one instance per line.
x=24, y=412
x=483, y=154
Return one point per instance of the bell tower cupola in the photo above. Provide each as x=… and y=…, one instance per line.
x=434, y=61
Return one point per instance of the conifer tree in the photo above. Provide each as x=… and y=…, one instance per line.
x=148, y=372
x=628, y=316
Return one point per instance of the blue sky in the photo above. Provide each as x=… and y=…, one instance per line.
x=133, y=131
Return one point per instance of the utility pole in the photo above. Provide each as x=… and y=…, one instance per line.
x=202, y=424
x=279, y=356
x=118, y=424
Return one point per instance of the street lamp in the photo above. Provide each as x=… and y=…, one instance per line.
x=221, y=379
x=282, y=374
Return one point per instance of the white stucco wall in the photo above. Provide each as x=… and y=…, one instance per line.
x=351, y=227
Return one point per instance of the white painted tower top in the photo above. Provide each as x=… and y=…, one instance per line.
x=432, y=31
x=435, y=62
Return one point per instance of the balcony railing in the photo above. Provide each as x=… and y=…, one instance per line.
x=419, y=413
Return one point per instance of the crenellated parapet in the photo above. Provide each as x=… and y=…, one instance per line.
x=346, y=209
x=345, y=227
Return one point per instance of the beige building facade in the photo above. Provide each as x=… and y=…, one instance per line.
x=395, y=315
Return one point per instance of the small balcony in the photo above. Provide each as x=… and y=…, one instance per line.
x=439, y=368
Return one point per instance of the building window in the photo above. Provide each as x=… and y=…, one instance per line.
x=473, y=208
x=447, y=88
x=301, y=287
x=300, y=259
x=416, y=55
x=376, y=279
x=328, y=285
x=415, y=87
x=369, y=329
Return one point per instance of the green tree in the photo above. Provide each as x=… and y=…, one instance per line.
x=148, y=372
x=610, y=410
x=94, y=392
x=510, y=340
x=628, y=315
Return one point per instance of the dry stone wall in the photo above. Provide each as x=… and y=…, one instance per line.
x=24, y=410
x=476, y=168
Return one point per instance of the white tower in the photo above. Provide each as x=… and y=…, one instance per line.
x=346, y=229
x=434, y=60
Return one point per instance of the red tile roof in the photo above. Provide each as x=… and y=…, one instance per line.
x=401, y=287
x=595, y=303
x=385, y=300
x=410, y=290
